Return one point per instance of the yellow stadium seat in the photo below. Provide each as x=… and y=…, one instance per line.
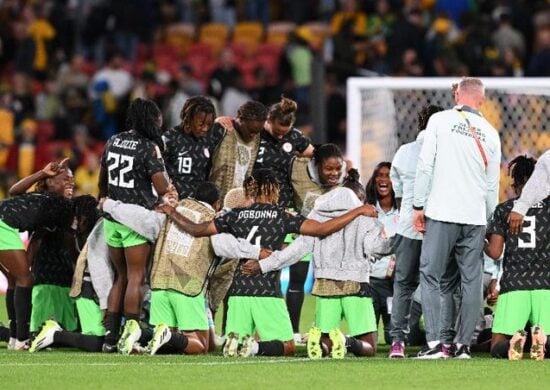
x=214, y=35
x=314, y=33
x=180, y=36
x=278, y=32
x=248, y=35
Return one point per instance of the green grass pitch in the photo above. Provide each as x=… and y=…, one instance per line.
x=63, y=369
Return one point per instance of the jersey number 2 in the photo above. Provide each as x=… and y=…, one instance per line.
x=115, y=160
x=532, y=243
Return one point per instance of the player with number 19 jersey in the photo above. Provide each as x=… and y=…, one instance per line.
x=526, y=255
x=130, y=160
x=189, y=158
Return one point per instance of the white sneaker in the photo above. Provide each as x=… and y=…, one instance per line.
x=298, y=339
x=219, y=340
x=249, y=347
x=11, y=343
x=21, y=345
x=130, y=335
x=231, y=346
x=44, y=338
x=161, y=336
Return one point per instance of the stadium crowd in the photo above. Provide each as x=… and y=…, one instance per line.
x=163, y=178
x=69, y=68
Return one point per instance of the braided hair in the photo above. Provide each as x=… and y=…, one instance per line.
x=252, y=111
x=262, y=183
x=352, y=182
x=142, y=116
x=520, y=169
x=283, y=112
x=370, y=188
x=425, y=113
x=194, y=106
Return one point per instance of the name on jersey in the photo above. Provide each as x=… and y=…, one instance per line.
x=125, y=144
x=256, y=214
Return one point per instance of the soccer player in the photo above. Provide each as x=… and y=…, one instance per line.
x=189, y=146
x=536, y=189
x=280, y=142
x=255, y=302
x=55, y=177
x=235, y=155
x=408, y=241
x=525, y=283
x=131, y=166
x=26, y=212
x=380, y=193
x=341, y=268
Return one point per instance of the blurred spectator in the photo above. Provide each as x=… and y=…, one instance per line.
x=540, y=61
x=336, y=113
x=23, y=101
x=7, y=123
x=73, y=74
x=175, y=100
x=104, y=109
x=408, y=34
x=223, y=11
x=86, y=175
x=300, y=59
x=506, y=36
x=187, y=82
x=475, y=43
x=42, y=33
x=24, y=48
x=48, y=102
x=380, y=23
x=27, y=154
x=454, y=8
x=440, y=52
x=349, y=12
x=119, y=79
x=258, y=10
x=264, y=92
x=224, y=75
x=410, y=65
x=82, y=145
x=233, y=97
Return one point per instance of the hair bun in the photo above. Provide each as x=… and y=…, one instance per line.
x=287, y=105
x=353, y=175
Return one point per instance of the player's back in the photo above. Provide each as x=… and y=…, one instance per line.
x=131, y=160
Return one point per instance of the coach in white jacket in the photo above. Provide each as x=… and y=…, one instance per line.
x=456, y=191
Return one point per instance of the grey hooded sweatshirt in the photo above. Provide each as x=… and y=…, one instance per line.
x=343, y=255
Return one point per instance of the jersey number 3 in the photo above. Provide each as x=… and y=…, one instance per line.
x=116, y=160
x=530, y=229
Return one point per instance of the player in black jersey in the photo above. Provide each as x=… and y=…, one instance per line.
x=131, y=162
x=55, y=177
x=189, y=147
x=280, y=142
x=524, y=295
x=255, y=302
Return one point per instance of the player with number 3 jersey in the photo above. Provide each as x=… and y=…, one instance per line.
x=525, y=284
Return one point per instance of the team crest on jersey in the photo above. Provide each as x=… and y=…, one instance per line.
x=243, y=155
x=206, y=153
x=287, y=147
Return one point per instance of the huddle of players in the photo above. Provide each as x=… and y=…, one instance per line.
x=134, y=160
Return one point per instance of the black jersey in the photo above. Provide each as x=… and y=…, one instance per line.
x=22, y=212
x=54, y=259
x=527, y=255
x=276, y=154
x=188, y=159
x=130, y=160
x=263, y=225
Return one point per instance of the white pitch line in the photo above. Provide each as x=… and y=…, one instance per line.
x=152, y=363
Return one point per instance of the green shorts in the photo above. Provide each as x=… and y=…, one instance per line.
x=358, y=312
x=289, y=239
x=266, y=315
x=90, y=316
x=178, y=310
x=516, y=308
x=120, y=236
x=52, y=302
x=9, y=238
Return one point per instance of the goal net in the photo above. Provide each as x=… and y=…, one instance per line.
x=382, y=115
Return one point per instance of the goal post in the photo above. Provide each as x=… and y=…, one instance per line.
x=382, y=114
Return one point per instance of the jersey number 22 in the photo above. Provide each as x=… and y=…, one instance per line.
x=115, y=160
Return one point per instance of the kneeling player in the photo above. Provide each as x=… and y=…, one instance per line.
x=525, y=284
x=255, y=302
